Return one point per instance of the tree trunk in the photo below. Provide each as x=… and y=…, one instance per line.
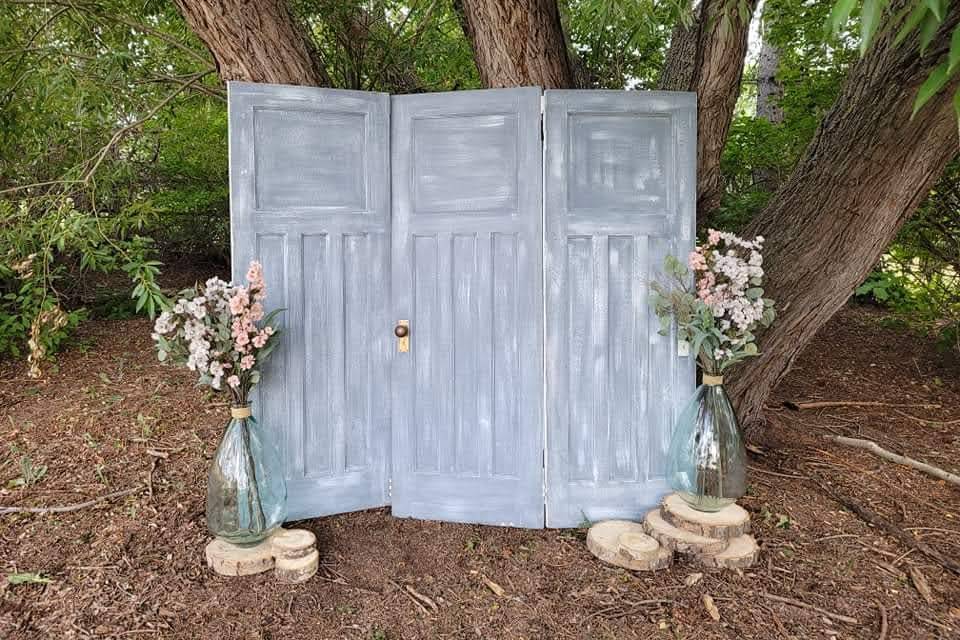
x=864, y=173
x=517, y=42
x=769, y=90
x=708, y=58
x=255, y=41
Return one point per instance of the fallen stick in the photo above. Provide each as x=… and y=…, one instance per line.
x=826, y=404
x=928, y=422
x=900, y=534
x=70, y=507
x=804, y=605
x=883, y=622
x=876, y=449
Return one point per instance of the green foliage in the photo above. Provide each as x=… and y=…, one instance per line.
x=920, y=18
x=919, y=276
x=619, y=45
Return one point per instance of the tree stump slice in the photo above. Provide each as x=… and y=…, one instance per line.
x=730, y=522
x=624, y=544
x=741, y=552
x=290, y=544
x=297, y=569
x=230, y=560
x=680, y=540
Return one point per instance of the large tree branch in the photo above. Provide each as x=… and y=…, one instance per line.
x=255, y=41
x=707, y=58
x=866, y=170
x=517, y=42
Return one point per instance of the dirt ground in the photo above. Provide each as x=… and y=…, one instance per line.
x=134, y=566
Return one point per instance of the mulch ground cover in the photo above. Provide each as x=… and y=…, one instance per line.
x=108, y=418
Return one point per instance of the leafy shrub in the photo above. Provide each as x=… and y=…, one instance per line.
x=47, y=246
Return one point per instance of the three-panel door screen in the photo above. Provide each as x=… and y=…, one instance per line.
x=511, y=235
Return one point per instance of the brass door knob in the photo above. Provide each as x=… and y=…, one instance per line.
x=401, y=331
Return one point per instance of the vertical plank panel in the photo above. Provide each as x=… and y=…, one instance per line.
x=317, y=437
x=505, y=355
x=641, y=361
x=444, y=388
x=623, y=384
x=336, y=365
x=357, y=347
x=271, y=248
x=662, y=400
x=423, y=344
x=466, y=352
x=580, y=442
x=485, y=383
x=599, y=378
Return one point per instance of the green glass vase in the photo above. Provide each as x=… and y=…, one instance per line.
x=707, y=461
x=246, y=490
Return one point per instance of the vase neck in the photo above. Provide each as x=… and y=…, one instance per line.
x=712, y=380
x=241, y=412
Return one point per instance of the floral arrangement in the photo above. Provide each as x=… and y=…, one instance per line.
x=718, y=313
x=219, y=330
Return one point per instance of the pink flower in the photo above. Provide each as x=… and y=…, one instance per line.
x=713, y=236
x=260, y=339
x=247, y=362
x=239, y=301
x=233, y=381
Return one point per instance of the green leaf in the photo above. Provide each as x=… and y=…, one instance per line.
x=916, y=16
x=26, y=578
x=927, y=32
x=954, y=57
x=934, y=82
x=870, y=16
x=841, y=13
x=936, y=6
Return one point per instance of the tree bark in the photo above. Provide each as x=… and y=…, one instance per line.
x=866, y=170
x=517, y=42
x=769, y=89
x=255, y=41
x=707, y=58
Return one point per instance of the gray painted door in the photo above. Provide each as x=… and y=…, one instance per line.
x=310, y=198
x=467, y=275
x=620, y=186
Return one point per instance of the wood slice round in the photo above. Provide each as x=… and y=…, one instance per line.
x=624, y=544
x=729, y=522
x=293, y=543
x=297, y=569
x=230, y=560
x=741, y=552
x=679, y=540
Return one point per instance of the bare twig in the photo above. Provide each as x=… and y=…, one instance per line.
x=98, y=158
x=894, y=530
x=826, y=404
x=883, y=622
x=804, y=605
x=925, y=421
x=876, y=449
x=71, y=507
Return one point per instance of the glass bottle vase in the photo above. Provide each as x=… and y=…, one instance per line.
x=707, y=461
x=246, y=490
